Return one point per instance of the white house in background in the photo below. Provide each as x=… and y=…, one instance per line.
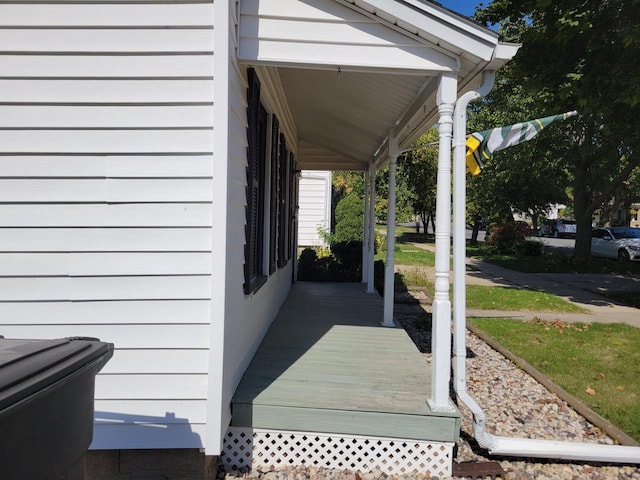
x=147, y=186
x=314, y=207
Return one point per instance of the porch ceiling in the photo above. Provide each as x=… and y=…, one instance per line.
x=342, y=117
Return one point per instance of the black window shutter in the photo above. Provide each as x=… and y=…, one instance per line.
x=252, y=248
x=275, y=188
x=291, y=206
x=282, y=210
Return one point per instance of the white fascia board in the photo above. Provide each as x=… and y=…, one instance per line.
x=435, y=24
x=503, y=53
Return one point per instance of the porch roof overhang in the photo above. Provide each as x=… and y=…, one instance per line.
x=354, y=70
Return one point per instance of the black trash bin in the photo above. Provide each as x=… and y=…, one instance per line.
x=46, y=406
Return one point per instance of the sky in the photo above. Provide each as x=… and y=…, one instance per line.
x=465, y=7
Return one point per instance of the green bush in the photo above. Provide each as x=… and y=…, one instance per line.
x=349, y=254
x=309, y=267
x=378, y=276
x=511, y=238
x=344, y=265
x=349, y=218
x=507, y=238
x=532, y=248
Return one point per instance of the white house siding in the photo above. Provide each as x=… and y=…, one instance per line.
x=314, y=207
x=106, y=172
x=331, y=34
x=247, y=317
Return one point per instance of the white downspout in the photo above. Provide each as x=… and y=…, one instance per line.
x=498, y=445
x=389, y=268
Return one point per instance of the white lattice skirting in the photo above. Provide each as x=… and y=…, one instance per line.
x=268, y=449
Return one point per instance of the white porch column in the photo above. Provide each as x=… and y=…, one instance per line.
x=389, y=270
x=372, y=229
x=441, y=316
x=366, y=233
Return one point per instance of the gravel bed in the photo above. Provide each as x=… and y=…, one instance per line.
x=514, y=404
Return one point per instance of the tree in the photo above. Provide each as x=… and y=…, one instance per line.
x=581, y=54
x=404, y=195
x=616, y=211
x=527, y=178
x=420, y=168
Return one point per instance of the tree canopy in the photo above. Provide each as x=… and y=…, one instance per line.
x=584, y=55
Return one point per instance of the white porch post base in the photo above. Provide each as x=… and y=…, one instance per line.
x=441, y=358
x=271, y=449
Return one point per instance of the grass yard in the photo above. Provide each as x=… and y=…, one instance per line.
x=407, y=254
x=491, y=298
x=551, y=262
x=597, y=363
x=503, y=298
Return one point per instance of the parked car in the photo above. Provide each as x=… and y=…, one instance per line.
x=558, y=227
x=622, y=243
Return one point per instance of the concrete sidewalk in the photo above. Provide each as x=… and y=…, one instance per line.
x=582, y=289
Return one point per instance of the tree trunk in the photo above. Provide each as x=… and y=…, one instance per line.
x=534, y=222
x=424, y=218
x=583, y=213
x=475, y=229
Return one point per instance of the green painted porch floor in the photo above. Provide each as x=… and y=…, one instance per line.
x=327, y=366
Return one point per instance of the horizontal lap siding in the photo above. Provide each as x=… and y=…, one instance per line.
x=106, y=171
x=330, y=34
x=313, y=207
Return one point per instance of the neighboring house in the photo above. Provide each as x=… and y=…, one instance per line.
x=314, y=207
x=148, y=153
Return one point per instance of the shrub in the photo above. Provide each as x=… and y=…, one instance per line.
x=308, y=265
x=511, y=238
x=532, y=248
x=507, y=238
x=344, y=265
x=349, y=219
x=378, y=276
x=348, y=253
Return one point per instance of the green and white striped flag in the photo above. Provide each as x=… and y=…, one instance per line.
x=481, y=145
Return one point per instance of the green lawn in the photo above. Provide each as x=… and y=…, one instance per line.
x=407, y=254
x=503, y=298
x=551, y=262
x=597, y=363
x=491, y=298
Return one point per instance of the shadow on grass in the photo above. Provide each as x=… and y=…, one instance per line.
x=412, y=237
